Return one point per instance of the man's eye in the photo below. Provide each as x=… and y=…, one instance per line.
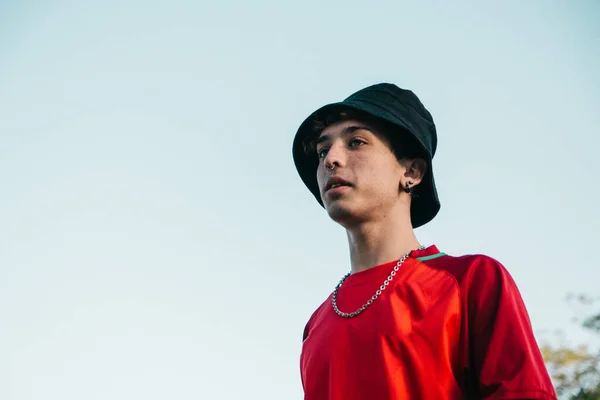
x=322, y=152
x=356, y=143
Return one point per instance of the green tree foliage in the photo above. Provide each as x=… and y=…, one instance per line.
x=575, y=371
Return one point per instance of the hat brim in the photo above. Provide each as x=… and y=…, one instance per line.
x=424, y=207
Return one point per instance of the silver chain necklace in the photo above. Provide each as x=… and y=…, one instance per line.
x=375, y=296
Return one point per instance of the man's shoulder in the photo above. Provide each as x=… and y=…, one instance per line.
x=468, y=268
x=316, y=315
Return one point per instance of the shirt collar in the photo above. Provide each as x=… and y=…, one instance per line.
x=426, y=252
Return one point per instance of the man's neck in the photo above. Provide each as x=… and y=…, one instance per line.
x=378, y=242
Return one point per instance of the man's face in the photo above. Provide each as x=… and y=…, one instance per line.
x=366, y=177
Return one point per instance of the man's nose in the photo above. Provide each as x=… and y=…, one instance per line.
x=336, y=156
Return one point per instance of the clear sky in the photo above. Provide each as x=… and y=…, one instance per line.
x=155, y=239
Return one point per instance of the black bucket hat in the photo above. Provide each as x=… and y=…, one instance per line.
x=394, y=106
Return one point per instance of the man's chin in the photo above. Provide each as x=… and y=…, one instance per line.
x=341, y=213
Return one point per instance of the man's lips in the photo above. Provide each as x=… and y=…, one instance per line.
x=335, y=182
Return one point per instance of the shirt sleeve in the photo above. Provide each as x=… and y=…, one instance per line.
x=504, y=358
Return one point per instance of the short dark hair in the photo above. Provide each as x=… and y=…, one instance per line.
x=402, y=143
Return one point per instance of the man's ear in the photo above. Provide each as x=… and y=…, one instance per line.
x=415, y=170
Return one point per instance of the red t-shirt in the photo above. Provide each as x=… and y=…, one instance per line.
x=445, y=328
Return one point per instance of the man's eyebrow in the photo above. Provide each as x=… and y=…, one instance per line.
x=347, y=131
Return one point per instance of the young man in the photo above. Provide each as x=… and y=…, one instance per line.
x=407, y=321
